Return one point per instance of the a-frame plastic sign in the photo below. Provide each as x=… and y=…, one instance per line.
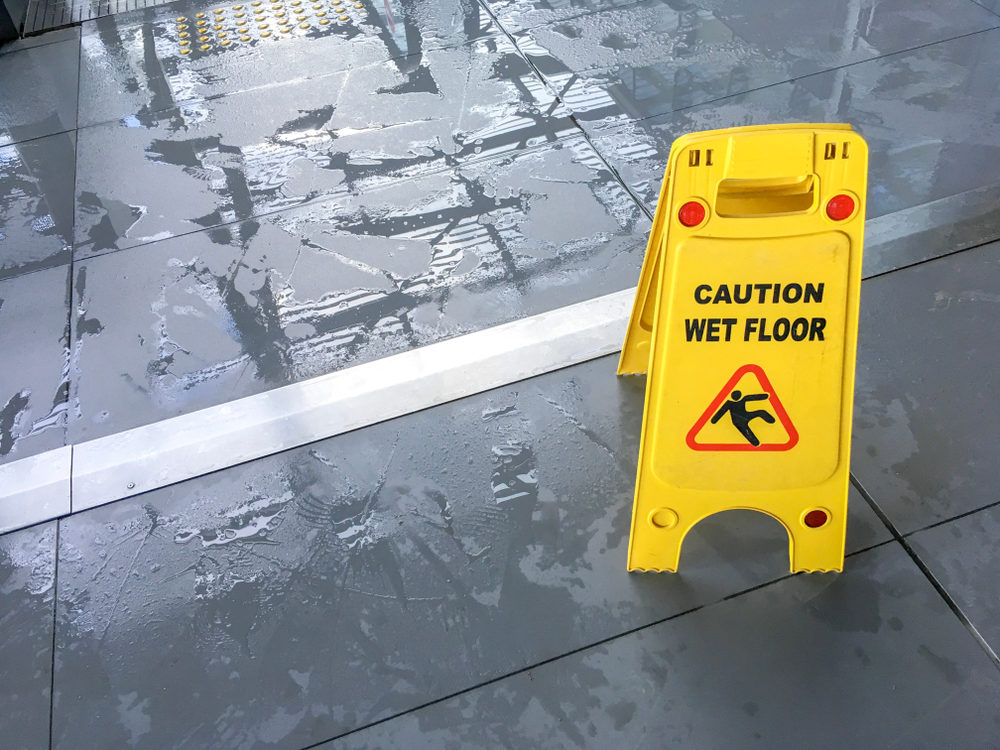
x=746, y=320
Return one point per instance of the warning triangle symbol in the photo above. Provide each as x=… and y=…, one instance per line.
x=746, y=415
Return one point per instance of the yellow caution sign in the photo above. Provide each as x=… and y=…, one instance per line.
x=746, y=320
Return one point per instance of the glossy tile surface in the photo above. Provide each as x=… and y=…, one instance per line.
x=206, y=318
x=133, y=64
x=309, y=593
x=254, y=152
x=870, y=658
x=34, y=317
x=930, y=118
x=962, y=554
x=27, y=596
x=653, y=58
x=36, y=204
x=516, y=15
x=38, y=88
x=926, y=422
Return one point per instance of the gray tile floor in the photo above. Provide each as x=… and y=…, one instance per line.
x=179, y=230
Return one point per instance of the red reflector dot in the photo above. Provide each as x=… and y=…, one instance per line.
x=691, y=214
x=840, y=207
x=815, y=518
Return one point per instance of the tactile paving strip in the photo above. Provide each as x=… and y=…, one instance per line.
x=44, y=15
x=223, y=28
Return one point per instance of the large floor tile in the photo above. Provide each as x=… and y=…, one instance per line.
x=657, y=57
x=927, y=420
x=930, y=118
x=253, y=152
x=870, y=658
x=34, y=317
x=36, y=204
x=27, y=596
x=38, y=90
x=306, y=594
x=132, y=64
x=963, y=556
x=206, y=318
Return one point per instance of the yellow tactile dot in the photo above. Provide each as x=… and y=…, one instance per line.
x=217, y=26
x=237, y=7
x=244, y=39
x=181, y=19
x=262, y=26
x=199, y=15
x=296, y=2
x=184, y=42
x=343, y=18
x=206, y=46
x=185, y=52
x=321, y=14
x=239, y=15
x=324, y=22
x=183, y=35
x=242, y=29
x=225, y=42
x=204, y=39
x=257, y=3
x=303, y=26
x=284, y=29
x=265, y=34
x=202, y=23
x=181, y=26
x=358, y=5
x=222, y=34
x=279, y=13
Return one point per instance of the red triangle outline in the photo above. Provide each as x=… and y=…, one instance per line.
x=779, y=411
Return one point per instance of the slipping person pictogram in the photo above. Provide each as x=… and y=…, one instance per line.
x=737, y=409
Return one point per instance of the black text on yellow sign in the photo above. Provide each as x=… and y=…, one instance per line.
x=746, y=320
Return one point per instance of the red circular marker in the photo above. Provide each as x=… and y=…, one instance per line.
x=815, y=518
x=840, y=207
x=691, y=214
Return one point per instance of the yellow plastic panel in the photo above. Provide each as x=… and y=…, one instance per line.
x=746, y=321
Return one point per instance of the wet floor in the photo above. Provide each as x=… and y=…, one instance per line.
x=203, y=202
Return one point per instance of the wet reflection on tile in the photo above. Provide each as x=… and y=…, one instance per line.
x=308, y=593
x=206, y=318
x=927, y=420
x=242, y=155
x=652, y=58
x=931, y=119
x=770, y=668
x=27, y=581
x=38, y=90
x=516, y=15
x=36, y=204
x=34, y=313
x=144, y=62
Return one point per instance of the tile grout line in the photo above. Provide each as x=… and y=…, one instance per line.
x=55, y=605
x=579, y=649
x=944, y=521
x=572, y=115
x=988, y=10
x=72, y=269
x=938, y=586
